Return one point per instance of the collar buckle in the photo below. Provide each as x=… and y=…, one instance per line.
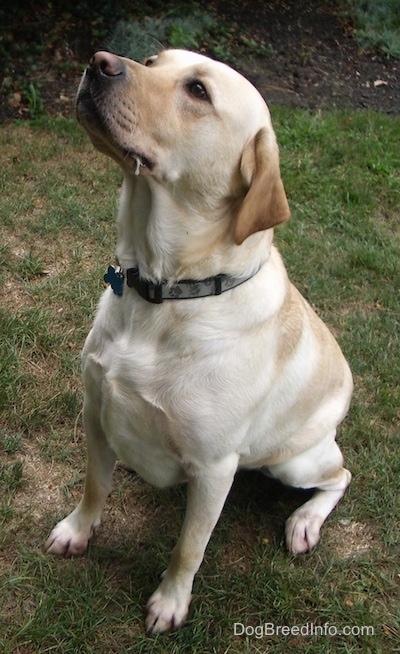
x=147, y=290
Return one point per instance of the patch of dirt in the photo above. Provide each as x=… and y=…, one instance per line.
x=350, y=540
x=314, y=61
x=308, y=58
x=43, y=484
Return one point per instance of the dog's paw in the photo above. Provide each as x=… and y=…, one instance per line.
x=166, y=611
x=67, y=539
x=302, y=531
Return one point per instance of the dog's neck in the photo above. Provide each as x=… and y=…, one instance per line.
x=169, y=241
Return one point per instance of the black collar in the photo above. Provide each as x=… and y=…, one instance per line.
x=182, y=290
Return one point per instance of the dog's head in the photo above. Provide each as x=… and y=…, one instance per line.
x=194, y=126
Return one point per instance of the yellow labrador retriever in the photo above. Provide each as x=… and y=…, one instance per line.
x=203, y=358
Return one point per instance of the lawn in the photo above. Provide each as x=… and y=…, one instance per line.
x=341, y=246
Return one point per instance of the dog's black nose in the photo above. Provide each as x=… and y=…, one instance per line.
x=107, y=64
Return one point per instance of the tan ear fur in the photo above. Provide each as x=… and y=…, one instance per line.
x=265, y=204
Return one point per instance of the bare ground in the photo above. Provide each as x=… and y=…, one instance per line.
x=315, y=61
x=310, y=59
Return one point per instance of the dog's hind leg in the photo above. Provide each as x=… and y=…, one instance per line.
x=70, y=536
x=321, y=468
x=303, y=526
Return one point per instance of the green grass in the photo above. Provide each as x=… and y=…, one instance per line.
x=138, y=38
x=377, y=24
x=57, y=234
x=187, y=26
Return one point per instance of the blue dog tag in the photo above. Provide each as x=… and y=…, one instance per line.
x=115, y=277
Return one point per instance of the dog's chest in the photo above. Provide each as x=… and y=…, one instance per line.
x=156, y=395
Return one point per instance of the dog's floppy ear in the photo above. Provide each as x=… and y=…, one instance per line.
x=265, y=205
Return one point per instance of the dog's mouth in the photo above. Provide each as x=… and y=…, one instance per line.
x=140, y=161
x=91, y=113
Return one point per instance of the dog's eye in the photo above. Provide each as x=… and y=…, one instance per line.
x=198, y=90
x=150, y=61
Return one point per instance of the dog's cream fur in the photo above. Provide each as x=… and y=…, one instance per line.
x=192, y=390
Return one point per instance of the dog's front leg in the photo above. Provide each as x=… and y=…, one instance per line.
x=70, y=536
x=207, y=491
